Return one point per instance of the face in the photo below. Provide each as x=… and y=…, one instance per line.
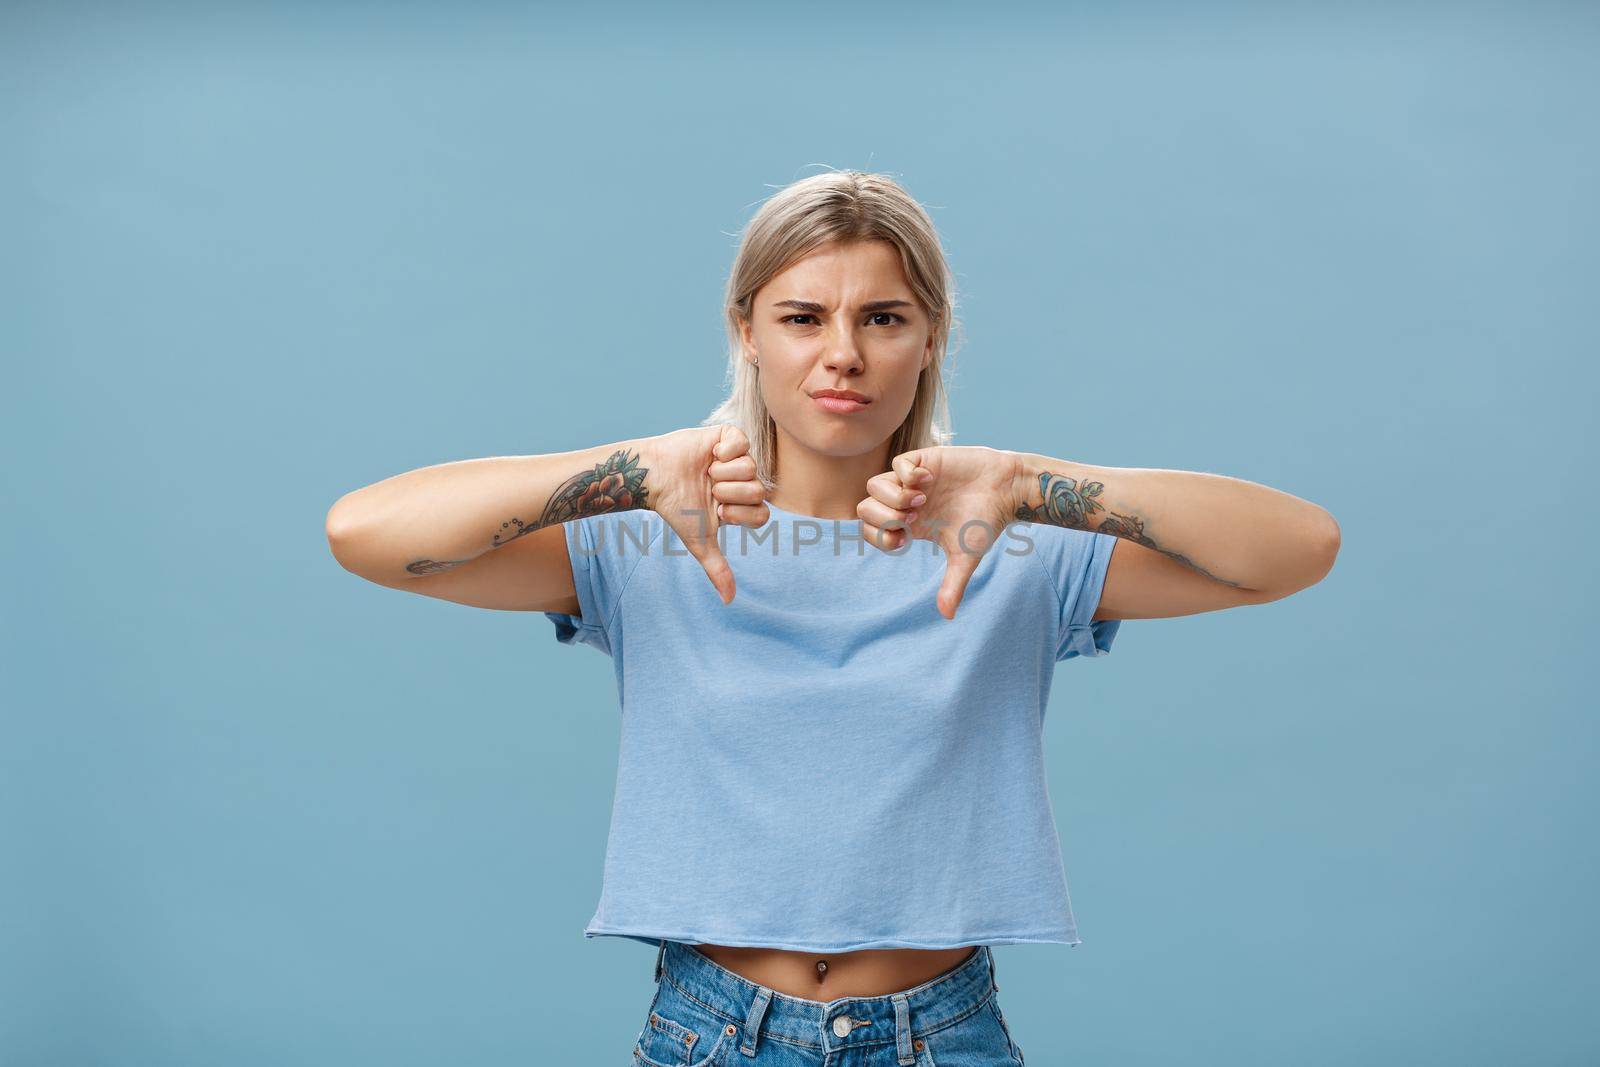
x=844, y=318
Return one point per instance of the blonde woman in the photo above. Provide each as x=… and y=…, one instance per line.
x=834, y=635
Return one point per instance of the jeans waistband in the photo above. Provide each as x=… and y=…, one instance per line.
x=845, y=1022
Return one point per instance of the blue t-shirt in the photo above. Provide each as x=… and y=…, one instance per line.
x=827, y=763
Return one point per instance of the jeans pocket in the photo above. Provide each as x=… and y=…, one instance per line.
x=679, y=1032
x=979, y=1039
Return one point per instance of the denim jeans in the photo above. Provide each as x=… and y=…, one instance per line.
x=705, y=1015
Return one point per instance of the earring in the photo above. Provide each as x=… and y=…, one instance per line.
x=756, y=362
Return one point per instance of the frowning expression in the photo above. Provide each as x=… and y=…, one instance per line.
x=842, y=342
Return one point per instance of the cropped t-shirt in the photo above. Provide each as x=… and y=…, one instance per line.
x=827, y=763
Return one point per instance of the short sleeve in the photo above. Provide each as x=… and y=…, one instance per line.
x=1077, y=562
x=604, y=551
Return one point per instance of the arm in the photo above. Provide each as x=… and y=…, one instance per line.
x=420, y=530
x=1191, y=541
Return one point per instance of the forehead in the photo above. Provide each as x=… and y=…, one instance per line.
x=844, y=268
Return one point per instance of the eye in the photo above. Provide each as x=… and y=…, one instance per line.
x=875, y=314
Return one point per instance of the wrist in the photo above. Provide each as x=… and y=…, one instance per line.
x=644, y=456
x=1057, y=491
x=1025, y=495
x=615, y=479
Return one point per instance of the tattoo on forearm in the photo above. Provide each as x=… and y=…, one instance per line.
x=433, y=566
x=615, y=484
x=1133, y=529
x=1067, y=503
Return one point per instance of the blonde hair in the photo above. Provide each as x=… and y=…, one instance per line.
x=790, y=225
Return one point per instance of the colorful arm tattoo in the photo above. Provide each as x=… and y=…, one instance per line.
x=1067, y=503
x=615, y=484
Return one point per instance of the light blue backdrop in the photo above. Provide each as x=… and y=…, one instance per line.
x=257, y=811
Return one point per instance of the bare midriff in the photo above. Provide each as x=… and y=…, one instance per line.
x=867, y=972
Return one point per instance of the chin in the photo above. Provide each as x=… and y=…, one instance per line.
x=841, y=442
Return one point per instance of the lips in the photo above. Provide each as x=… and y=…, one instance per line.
x=839, y=401
x=839, y=405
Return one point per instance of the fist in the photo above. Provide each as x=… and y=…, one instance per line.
x=700, y=479
x=959, y=497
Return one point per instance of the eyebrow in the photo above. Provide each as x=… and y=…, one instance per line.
x=815, y=308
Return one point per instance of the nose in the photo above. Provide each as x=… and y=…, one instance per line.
x=843, y=356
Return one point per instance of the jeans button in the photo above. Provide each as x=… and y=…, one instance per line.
x=841, y=1026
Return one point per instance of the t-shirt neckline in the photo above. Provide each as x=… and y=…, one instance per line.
x=777, y=511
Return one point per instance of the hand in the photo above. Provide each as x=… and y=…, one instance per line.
x=970, y=498
x=699, y=479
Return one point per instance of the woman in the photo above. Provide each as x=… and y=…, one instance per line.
x=830, y=798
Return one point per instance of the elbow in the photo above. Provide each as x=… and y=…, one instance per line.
x=340, y=529
x=1323, y=549
x=1328, y=544
x=1314, y=561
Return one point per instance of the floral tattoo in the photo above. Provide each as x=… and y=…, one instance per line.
x=1067, y=503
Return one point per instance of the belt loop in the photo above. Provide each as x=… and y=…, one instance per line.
x=752, y=1020
x=902, y=1030
x=990, y=952
x=660, y=953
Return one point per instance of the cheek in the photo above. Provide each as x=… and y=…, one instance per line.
x=782, y=382
x=904, y=389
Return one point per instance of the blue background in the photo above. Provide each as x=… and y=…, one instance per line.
x=257, y=811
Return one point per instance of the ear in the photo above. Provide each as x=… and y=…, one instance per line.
x=747, y=340
x=927, y=353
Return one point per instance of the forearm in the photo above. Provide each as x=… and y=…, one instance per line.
x=433, y=518
x=1239, y=533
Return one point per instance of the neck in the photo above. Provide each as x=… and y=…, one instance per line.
x=827, y=487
